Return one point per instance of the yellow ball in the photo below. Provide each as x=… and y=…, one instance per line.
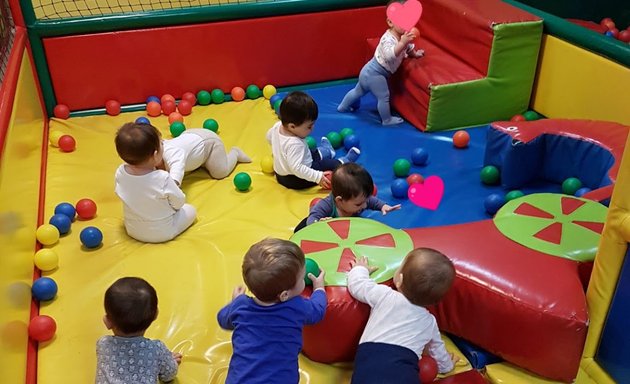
x=269, y=91
x=46, y=259
x=47, y=234
x=53, y=137
x=266, y=164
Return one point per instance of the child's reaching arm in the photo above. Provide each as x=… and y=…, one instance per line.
x=176, y=198
x=437, y=350
x=317, y=304
x=376, y=204
x=294, y=158
x=361, y=287
x=224, y=316
x=168, y=363
x=175, y=159
x=321, y=210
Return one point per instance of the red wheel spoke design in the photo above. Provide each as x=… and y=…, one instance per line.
x=595, y=227
x=347, y=256
x=309, y=246
x=341, y=228
x=551, y=233
x=569, y=205
x=527, y=209
x=384, y=240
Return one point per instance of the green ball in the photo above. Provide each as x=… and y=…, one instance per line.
x=311, y=267
x=177, y=128
x=515, y=194
x=217, y=96
x=531, y=115
x=252, y=92
x=311, y=142
x=211, y=124
x=402, y=167
x=335, y=139
x=346, y=132
x=242, y=181
x=203, y=97
x=489, y=175
x=276, y=107
x=571, y=185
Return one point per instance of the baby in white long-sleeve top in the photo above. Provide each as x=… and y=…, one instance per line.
x=400, y=328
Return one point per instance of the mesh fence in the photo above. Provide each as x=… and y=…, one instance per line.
x=60, y=9
x=7, y=33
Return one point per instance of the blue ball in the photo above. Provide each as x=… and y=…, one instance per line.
x=91, y=237
x=66, y=209
x=153, y=98
x=351, y=141
x=582, y=191
x=419, y=156
x=399, y=188
x=142, y=120
x=609, y=34
x=274, y=98
x=493, y=203
x=44, y=289
x=62, y=222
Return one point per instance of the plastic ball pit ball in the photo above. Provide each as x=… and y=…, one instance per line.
x=252, y=91
x=314, y=202
x=86, y=209
x=154, y=108
x=493, y=203
x=428, y=369
x=531, y=115
x=66, y=209
x=44, y=289
x=402, y=167
x=461, y=139
x=419, y=156
x=489, y=175
x=61, y=111
x=399, y=188
x=42, y=328
x=61, y=221
x=582, y=191
x=217, y=96
x=242, y=181
x=67, y=143
x=335, y=139
x=168, y=107
x=276, y=107
x=47, y=234
x=266, y=164
x=312, y=268
x=346, y=132
x=211, y=124
x=190, y=97
x=184, y=107
x=204, y=97
x=273, y=99
x=142, y=120
x=46, y=259
x=175, y=116
x=310, y=141
x=177, y=128
x=415, y=178
x=268, y=91
x=517, y=118
x=53, y=138
x=152, y=98
x=238, y=94
x=167, y=97
x=513, y=195
x=112, y=107
x=571, y=185
x=91, y=237
x=351, y=141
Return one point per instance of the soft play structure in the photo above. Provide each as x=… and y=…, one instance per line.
x=540, y=295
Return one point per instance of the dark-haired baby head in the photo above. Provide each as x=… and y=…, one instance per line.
x=426, y=276
x=271, y=266
x=136, y=143
x=131, y=305
x=297, y=108
x=351, y=180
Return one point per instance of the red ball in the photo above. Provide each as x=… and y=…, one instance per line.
x=624, y=36
x=42, y=328
x=154, y=108
x=61, y=111
x=415, y=178
x=168, y=107
x=167, y=97
x=238, y=94
x=607, y=22
x=315, y=201
x=517, y=118
x=614, y=32
x=184, y=107
x=112, y=107
x=190, y=97
x=428, y=369
x=67, y=143
x=461, y=139
x=375, y=191
x=86, y=209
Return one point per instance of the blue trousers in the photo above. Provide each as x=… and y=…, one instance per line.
x=373, y=78
x=380, y=363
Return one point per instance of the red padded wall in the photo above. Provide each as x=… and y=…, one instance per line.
x=87, y=70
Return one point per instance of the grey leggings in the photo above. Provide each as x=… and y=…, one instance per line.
x=373, y=78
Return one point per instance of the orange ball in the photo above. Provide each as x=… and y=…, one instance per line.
x=461, y=139
x=154, y=108
x=184, y=107
x=112, y=107
x=415, y=178
x=175, y=116
x=168, y=107
x=415, y=31
x=167, y=97
x=238, y=94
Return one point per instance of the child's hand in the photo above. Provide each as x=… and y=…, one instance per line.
x=177, y=357
x=454, y=358
x=417, y=53
x=325, y=218
x=325, y=180
x=318, y=282
x=407, y=37
x=363, y=262
x=239, y=290
x=388, y=208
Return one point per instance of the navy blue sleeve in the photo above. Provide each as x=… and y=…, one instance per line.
x=374, y=203
x=322, y=209
x=315, y=308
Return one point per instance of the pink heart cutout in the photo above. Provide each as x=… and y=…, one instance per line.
x=428, y=194
x=405, y=15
